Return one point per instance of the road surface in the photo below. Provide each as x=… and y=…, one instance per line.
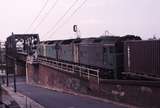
x=52, y=99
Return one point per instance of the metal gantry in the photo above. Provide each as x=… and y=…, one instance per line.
x=16, y=45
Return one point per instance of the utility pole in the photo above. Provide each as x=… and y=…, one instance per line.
x=15, y=88
x=0, y=57
x=6, y=46
x=1, y=62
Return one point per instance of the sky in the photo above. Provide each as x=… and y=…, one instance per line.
x=119, y=17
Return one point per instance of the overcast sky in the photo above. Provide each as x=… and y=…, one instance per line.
x=119, y=17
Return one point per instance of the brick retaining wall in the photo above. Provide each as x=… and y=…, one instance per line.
x=142, y=94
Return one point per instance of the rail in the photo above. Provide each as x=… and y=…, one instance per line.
x=82, y=71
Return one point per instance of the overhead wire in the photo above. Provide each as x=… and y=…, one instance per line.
x=46, y=15
x=38, y=15
x=69, y=18
x=61, y=18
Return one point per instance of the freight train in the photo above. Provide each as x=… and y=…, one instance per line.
x=104, y=52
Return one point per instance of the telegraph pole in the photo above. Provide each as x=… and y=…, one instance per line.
x=6, y=46
x=1, y=61
x=15, y=88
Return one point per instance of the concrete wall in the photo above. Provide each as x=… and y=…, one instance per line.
x=143, y=94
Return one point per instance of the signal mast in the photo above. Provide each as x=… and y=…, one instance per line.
x=77, y=31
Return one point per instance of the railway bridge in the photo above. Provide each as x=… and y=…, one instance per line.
x=18, y=47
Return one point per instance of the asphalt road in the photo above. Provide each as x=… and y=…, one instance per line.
x=52, y=99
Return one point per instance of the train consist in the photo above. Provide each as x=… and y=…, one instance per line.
x=105, y=52
x=126, y=57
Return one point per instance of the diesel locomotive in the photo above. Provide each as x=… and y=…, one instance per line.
x=104, y=52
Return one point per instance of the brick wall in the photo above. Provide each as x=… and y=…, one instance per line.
x=143, y=94
x=21, y=69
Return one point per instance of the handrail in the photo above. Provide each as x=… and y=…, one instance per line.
x=83, y=71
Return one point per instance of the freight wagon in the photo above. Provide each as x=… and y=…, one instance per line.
x=142, y=59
